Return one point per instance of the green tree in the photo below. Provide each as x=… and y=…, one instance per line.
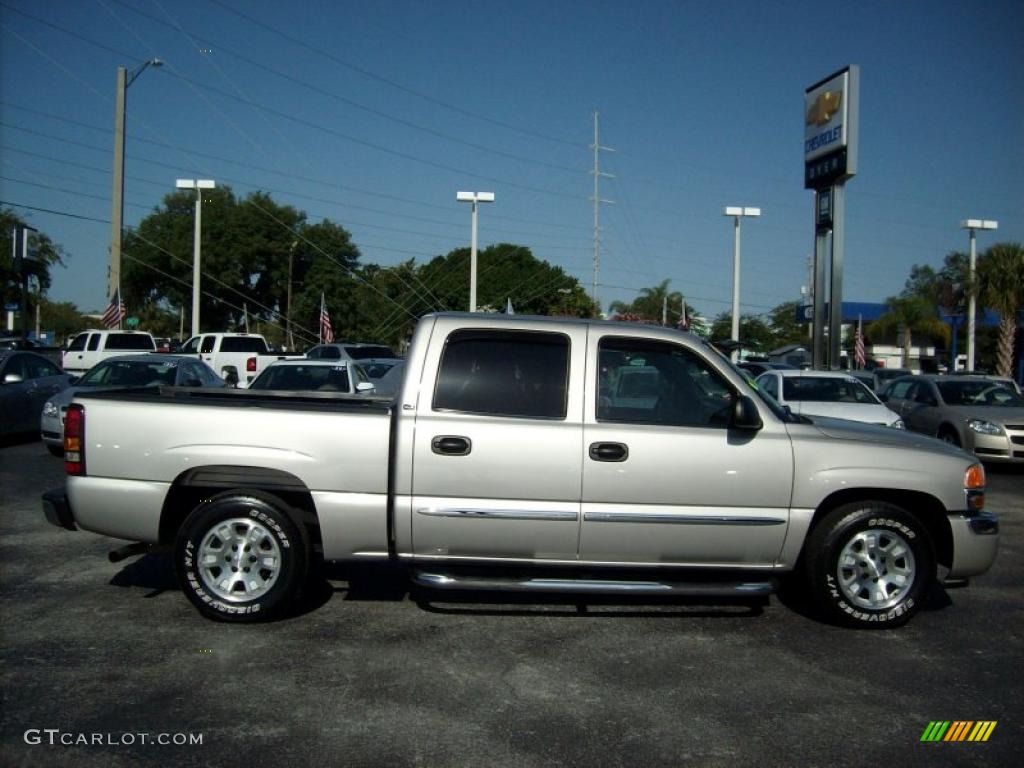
x=44, y=256
x=945, y=287
x=1001, y=287
x=911, y=315
x=755, y=334
x=250, y=247
x=63, y=318
x=786, y=329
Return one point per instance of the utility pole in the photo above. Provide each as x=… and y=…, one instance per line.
x=597, y=200
x=288, y=305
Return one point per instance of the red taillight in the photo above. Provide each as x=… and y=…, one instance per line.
x=250, y=365
x=74, y=440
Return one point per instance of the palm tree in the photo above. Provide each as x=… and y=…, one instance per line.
x=647, y=306
x=911, y=314
x=1001, y=287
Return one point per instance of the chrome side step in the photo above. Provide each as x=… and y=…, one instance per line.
x=594, y=586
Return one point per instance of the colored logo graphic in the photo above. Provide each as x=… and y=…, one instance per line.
x=826, y=105
x=958, y=730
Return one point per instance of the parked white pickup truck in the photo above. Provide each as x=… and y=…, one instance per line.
x=511, y=460
x=237, y=357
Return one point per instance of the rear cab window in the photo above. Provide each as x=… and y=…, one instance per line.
x=243, y=344
x=133, y=341
x=522, y=374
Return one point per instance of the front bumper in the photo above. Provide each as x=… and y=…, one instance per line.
x=975, y=542
x=57, y=510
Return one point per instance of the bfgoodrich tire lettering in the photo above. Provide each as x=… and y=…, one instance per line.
x=241, y=557
x=870, y=565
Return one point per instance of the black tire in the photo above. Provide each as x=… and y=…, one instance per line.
x=56, y=450
x=888, y=565
x=241, y=557
x=949, y=435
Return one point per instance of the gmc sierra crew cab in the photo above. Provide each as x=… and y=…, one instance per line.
x=530, y=453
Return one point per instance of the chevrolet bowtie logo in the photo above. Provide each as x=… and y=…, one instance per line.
x=826, y=105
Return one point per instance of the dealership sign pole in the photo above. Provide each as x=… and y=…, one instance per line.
x=831, y=112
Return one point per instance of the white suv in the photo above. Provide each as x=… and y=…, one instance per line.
x=89, y=347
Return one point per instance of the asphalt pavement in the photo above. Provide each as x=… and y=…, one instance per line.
x=102, y=662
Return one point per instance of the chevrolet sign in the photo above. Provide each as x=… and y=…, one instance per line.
x=830, y=128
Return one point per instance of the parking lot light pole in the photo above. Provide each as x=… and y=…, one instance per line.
x=737, y=213
x=474, y=198
x=124, y=79
x=971, y=225
x=198, y=185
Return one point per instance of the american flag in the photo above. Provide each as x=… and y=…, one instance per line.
x=115, y=311
x=326, y=332
x=859, y=357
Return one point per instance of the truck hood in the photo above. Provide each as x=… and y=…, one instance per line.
x=841, y=429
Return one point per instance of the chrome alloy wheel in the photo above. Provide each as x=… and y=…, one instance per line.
x=239, y=560
x=876, y=569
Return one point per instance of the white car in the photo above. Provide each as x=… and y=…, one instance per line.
x=833, y=394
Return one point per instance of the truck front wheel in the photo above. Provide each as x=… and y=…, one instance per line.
x=869, y=565
x=240, y=557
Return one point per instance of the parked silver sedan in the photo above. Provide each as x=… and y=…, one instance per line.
x=978, y=414
x=124, y=372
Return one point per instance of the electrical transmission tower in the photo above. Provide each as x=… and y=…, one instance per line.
x=597, y=200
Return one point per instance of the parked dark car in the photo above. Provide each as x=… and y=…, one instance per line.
x=27, y=380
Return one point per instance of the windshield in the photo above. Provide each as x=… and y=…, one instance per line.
x=980, y=392
x=129, y=373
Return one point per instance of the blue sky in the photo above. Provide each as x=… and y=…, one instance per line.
x=374, y=114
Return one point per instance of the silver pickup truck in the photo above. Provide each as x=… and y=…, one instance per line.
x=536, y=454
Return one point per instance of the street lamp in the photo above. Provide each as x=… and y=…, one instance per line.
x=737, y=213
x=198, y=185
x=474, y=198
x=124, y=79
x=971, y=225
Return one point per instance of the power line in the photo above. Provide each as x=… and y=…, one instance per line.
x=378, y=78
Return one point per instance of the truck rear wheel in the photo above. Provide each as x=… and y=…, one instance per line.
x=869, y=565
x=241, y=557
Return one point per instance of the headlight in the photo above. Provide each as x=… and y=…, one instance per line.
x=51, y=410
x=898, y=424
x=984, y=427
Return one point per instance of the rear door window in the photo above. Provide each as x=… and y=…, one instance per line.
x=504, y=373
x=94, y=342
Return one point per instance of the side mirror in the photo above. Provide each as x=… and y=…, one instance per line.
x=745, y=415
x=230, y=375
